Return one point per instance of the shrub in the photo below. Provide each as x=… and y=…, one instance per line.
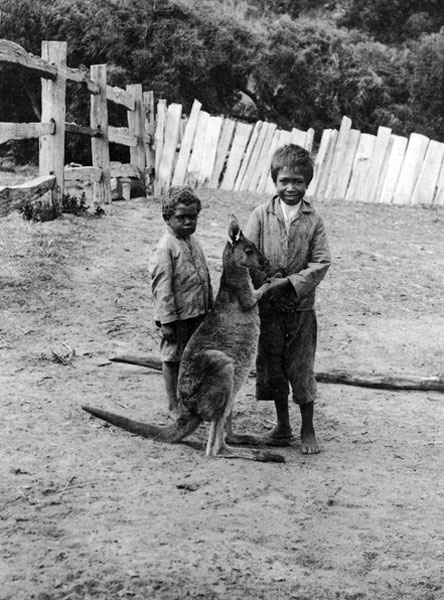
x=311, y=74
x=40, y=211
x=394, y=21
x=427, y=85
x=180, y=50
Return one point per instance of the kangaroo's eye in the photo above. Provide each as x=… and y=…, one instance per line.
x=248, y=251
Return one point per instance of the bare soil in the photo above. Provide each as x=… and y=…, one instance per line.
x=88, y=511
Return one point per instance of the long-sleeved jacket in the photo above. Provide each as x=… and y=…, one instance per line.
x=303, y=255
x=180, y=279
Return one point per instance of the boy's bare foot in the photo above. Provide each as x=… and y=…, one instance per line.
x=309, y=445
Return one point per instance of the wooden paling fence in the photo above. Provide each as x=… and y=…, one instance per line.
x=384, y=168
x=216, y=152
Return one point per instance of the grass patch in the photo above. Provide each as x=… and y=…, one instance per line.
x=31, y=256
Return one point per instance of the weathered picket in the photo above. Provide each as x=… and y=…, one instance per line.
x=242, y=134
x=439, y=197
x=428, y=177
x=340, y=151
x=225, y=141
x=411, y=167
x=326, y=165
x=185, y=146
x=195, y=175
x=394, y=163
x=263, y=159
x=169, y=137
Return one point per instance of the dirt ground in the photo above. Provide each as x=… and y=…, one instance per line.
x=88, y=511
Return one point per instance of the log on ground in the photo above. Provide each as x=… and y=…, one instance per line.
x=370, y=380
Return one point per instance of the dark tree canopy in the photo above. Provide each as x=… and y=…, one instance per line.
x=427, y=86
x=394, y=21
x=260, y=59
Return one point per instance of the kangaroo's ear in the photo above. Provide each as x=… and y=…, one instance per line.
x=234, y=230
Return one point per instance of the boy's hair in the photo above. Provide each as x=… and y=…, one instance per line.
x=176, y=196
x=289, y=157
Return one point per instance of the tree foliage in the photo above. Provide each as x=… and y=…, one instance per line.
x=295, y=70
x=311, y=74
x=427, y=85
x=178, y=50
x=394, y=21
x=292, y=8
x=171, y=47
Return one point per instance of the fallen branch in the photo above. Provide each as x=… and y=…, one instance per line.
x=370, y=380
x=382, y=382
x=152, y=362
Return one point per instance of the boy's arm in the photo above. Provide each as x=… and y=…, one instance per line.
x=168, y=331
x=320, y=259
x=161, y=271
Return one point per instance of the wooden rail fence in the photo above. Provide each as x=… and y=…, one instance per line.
x=51, y=131
x=171, y=148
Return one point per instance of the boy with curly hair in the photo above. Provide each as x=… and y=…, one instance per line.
x=180, y=283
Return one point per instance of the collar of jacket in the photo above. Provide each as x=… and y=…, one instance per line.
x=306, y=206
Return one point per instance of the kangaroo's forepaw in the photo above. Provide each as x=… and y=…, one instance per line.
x=257, y=294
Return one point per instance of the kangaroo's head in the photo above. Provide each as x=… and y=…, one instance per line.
x=244, y=253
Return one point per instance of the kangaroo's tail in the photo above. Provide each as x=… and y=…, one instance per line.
x=177, y=431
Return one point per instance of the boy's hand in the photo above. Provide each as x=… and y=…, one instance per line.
x=278, y=286
x=282, y=294
x=168, y=332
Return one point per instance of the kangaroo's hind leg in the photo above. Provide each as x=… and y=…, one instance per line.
x=216, y=438
x=216, y=446
x=216, y=443
x=206, y=386
x=225, y=451
x=220, y=449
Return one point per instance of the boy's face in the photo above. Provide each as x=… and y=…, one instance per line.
x=184, y=221
x=290, y=185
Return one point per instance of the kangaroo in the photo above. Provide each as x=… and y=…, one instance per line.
x=217, y=359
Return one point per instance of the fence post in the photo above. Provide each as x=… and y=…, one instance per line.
x=150, y=128
x=52, y=147
x=100, y=145
x=136, y=126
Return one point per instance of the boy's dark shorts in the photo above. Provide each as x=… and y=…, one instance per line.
x=172, y=351
x=286, y=352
